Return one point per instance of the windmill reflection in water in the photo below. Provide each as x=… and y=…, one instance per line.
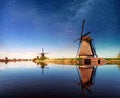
x=42, y=65
x=86, y=75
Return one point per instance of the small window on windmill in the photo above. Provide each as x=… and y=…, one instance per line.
x=87, y=61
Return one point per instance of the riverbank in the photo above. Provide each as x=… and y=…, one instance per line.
x=68, y=61
x=59, y=61
x=74, y=61
x=113, y=60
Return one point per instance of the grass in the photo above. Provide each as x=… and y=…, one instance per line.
x=112, y=58
x=74, y=60
x=80, y=59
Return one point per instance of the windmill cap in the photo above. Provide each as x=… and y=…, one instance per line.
x=86, y=38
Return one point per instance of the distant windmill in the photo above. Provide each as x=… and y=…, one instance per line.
x=43, y=54
x=86, y=47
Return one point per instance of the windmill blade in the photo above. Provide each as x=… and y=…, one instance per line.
x=42, y=71
x=46, y=53
x=86, y=34
x=94, y=74
x=82, y=27
x=76, y=40
x=42, y=50
x=86, y=88
x=81, y=31
x=94, y=50
x=78, y=49
x=46, y=67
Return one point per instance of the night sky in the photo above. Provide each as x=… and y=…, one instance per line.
x=27, y=26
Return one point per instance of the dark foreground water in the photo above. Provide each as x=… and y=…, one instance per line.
x=29, y=80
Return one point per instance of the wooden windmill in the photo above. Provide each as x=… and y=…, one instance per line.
x=86, y=47
x=43, y=54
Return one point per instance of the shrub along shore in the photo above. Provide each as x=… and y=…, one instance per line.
x=71, y=61
x=74, y=61
x=112, y=60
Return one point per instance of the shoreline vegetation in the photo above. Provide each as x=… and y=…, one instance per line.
x=74, y=61
x=71, y=61
x=112, y=60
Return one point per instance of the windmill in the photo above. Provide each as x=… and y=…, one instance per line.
x=43, y=54
x=86, y=78
x=86, y=46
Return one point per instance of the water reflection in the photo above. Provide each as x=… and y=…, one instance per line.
x=6, y=61
x=24, y=80
x=42, y=65
x=119, y=66
x=16, y=65
x=86, y=75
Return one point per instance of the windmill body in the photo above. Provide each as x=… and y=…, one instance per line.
x=86, y=47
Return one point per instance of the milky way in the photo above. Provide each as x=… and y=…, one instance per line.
x=28, y=25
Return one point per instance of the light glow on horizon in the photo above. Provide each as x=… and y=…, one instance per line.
x=27, y=27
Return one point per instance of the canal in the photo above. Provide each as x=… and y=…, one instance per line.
x=30, y=80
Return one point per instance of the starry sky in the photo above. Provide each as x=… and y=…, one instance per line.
x=27, y=26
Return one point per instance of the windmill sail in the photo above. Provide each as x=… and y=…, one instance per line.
x=82, y=27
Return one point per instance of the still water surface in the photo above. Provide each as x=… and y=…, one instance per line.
x=29, y=80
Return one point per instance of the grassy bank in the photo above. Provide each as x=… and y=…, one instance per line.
x=74, y=61
x=113, y=60
x=71, y=61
